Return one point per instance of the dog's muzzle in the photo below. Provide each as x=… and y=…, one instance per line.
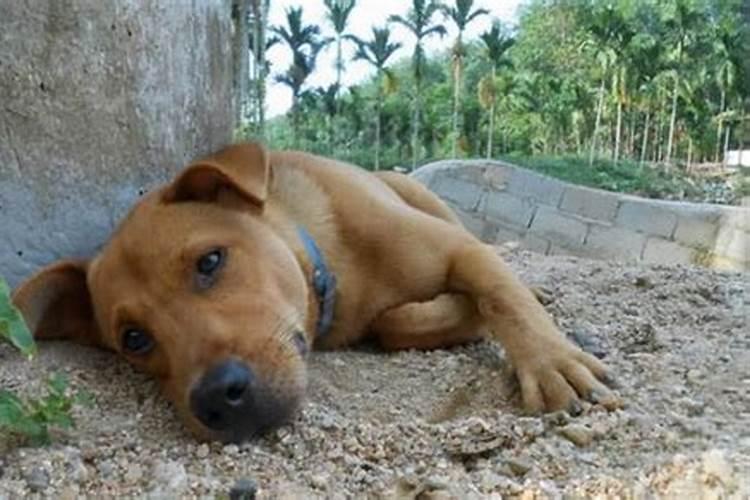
x=230, y=401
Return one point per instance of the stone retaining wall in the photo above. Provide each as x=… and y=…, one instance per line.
x=500, y=202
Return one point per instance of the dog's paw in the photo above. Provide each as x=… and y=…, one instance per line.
x=561, y=378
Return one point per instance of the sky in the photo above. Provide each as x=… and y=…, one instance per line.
x=366, y=14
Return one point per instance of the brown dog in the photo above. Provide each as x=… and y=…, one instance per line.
x=218, y=282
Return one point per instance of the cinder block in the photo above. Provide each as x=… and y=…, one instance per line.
x=506, y=208
x=508, y=232
x=646, y=217
x=472, y=221
x=464, y=194
x=591, y=203
x=696, y=231
x=535, y=244
x=545, y=190
x=566, y=230
x=661, y=251
x=609, y=242
x=497, y=177
x=733, y=244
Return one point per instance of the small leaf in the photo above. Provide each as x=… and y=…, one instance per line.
x=12, y=326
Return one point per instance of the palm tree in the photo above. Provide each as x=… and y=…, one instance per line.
x=461, y=14
x=338, y=15
x=377, y=51
x=496, y=44
x=305, y=44
x=419, y=22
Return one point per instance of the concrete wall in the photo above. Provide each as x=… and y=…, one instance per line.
x=98, y=102
x=500, y=202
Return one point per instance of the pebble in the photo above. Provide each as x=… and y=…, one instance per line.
x=37, y=479
x=134, y=473
x=243, y=489
x=518, y=466
x=716, y=466
x=169, y=477
x=319, y=481
x=577, y=434
x=105, y=468
x=202, y=451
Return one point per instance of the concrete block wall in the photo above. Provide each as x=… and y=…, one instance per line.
x=500, y=202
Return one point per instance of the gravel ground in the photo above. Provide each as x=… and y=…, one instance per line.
x=443, y=424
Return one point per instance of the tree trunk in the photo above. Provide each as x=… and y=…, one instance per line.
x=378, y=110
x=718, y=129
x=491, y=127
x=689, y=155
x=457, y=73
x=727, y=131
x=672, y=120
x=618, y=131
x=415, y=127
x=241, y=57
x=645, y=137
x=598, y=122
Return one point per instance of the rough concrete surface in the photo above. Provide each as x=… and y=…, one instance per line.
x=98, y=102
x=444, y=424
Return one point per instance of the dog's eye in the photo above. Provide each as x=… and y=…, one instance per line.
x=137, y=341
x=211, y=262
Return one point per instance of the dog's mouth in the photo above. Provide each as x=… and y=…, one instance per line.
x=233, y=404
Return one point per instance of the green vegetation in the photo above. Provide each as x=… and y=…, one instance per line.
x=30, y=419
x=636, y=82
x=623, y=176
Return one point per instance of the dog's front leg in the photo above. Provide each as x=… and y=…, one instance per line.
x=553, y=373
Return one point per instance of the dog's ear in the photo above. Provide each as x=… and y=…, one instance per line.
x=242, y=169
x=56, y=303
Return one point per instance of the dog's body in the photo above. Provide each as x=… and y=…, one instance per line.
x=209, y=285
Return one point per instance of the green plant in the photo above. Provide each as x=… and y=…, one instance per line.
x=12, y=326
x=30, y=419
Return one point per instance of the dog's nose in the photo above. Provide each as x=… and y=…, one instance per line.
x=222, y=396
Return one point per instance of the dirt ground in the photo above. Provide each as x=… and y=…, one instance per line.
x=444, y=424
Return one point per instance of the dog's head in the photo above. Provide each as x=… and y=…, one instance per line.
x=197, y=288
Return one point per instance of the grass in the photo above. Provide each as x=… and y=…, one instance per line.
x=622, y=177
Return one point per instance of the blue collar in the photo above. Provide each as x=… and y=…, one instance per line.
x=323, y=282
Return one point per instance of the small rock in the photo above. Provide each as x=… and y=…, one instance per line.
x=69, y=493
x=518, y=466
x=488, y=480
x=231, y=450
x=169, y=479
x=202, y=451
x=134, y=473
x=37, y=479
x=577, y=434
x=243, y=489
x=644, y=282
x=319, y=481
x=694, y=375
x=77, y=471
x=105, y=468
x=717, y=468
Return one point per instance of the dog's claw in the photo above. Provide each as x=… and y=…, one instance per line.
x=610, y=381
x=575, y=408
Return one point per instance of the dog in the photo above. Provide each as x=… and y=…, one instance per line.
x=220, y=282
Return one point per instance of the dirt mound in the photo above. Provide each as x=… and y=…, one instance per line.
x=445, y=424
